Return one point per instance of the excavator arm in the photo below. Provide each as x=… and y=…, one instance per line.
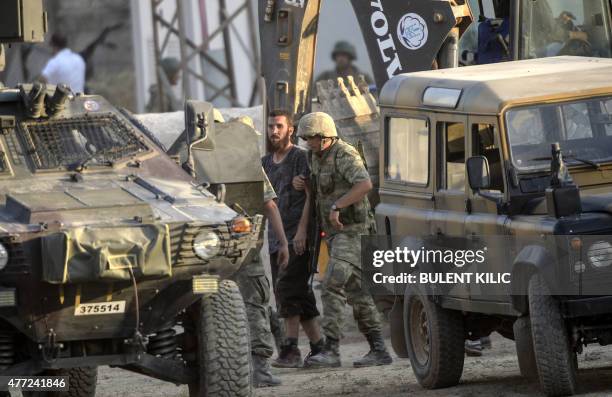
x=401, y=36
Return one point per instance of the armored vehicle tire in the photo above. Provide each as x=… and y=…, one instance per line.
x=81, y=383
x=434, y=339
x=524, y=348
x=556, y=361
x=223, y=345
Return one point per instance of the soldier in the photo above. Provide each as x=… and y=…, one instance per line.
x=255, y=289
x=343, y=55
x=169, y=78
x=341, y=184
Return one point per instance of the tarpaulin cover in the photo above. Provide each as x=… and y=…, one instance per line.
x=107, y=253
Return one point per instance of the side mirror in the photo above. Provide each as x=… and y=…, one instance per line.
x=478, y=173
x=199, y=123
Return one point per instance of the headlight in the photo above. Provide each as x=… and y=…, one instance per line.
x=4, y=257
x=206, y=245
x=600, y=254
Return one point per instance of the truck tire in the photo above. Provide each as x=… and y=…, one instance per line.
x=223, y=345
x=556, y=361
x=434, y=340
x=81, y=383
x=524, y=348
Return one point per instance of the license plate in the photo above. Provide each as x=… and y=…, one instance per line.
x=92, y=309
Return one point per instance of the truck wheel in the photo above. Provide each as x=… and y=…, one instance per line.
x=224, y=363
x=434, y=339
x=81, y=383
x=524, y=348
x=556, y=361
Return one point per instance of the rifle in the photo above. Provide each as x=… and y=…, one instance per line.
x=314, y=231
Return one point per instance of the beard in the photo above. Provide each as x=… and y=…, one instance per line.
x=280, y=144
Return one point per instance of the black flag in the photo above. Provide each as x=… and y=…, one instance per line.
x=403, y=36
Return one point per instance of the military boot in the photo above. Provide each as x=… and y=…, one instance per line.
x=315, y=348
x=289, y=356
x=378, y=354
x=473, y=348
x=278, y=329
x=262, y=377
x=327, y=358
x=486, y=343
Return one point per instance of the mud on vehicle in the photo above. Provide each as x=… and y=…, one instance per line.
x=469, y=152
x=111, y=254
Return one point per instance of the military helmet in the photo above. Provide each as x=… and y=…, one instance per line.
x=317, y=124
x=170, y=66
x=344, y=47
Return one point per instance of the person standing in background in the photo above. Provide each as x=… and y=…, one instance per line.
x=65, y=67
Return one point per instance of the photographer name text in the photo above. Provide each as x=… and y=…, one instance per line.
x=443, y=278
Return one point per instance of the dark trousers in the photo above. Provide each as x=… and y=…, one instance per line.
x=294, y=296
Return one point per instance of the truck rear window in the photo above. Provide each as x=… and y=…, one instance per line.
x=407, y=151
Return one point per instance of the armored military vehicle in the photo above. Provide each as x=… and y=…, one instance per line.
x=110, y=254
x=468, y=155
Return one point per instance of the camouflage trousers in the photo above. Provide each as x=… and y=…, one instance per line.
x=255, y=290
x=342, y=284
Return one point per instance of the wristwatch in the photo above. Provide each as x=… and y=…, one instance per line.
x=334, y=207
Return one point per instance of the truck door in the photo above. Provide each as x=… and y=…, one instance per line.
x=406, y=182
x=449, y=216
x=483, y=223
x=450, y=193
x=406, y=175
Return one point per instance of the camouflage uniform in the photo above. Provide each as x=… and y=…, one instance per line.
x=336, y=171
x=255, y=289
x=350, y=71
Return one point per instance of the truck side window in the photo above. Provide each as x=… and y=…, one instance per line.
x=407, y=151
x=454, y=136
x=483, y=139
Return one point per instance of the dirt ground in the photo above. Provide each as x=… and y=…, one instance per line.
x=495, y=373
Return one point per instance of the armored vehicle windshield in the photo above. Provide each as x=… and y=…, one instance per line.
x=68, y=143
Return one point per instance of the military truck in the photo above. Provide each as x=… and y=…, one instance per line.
x=467, y=154
x=110, y=254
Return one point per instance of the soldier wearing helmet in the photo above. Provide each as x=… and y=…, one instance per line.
x=171, y=68
x=340, y=182
x=343, y=56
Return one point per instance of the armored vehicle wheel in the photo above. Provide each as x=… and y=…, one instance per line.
x=435, y=339
x=556, y=361
x=524, y=348
x=223, y=345
x=81, y=383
